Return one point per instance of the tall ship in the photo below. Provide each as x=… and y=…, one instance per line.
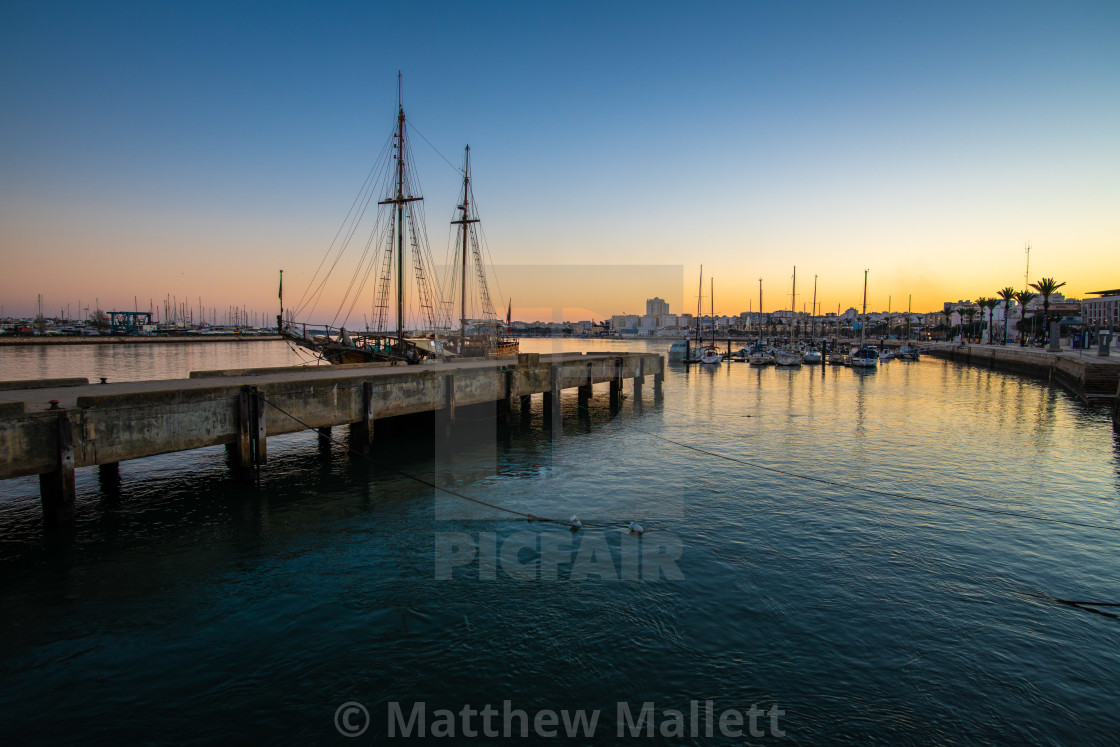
x=410, y=320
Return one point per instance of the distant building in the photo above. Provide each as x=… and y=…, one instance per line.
x=1103, y=311
x=657, y=307
x=622, y=321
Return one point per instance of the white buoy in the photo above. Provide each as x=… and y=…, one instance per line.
x=575, y=523
x=636, y=528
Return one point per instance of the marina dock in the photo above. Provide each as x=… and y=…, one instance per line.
x=49, y=428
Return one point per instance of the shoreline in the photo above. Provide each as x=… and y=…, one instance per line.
x=133, y=340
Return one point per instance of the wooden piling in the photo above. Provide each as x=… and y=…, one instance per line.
x=505, y=404
x=250, y=449
x=260, y=432
x=362, y=431
x=584, y=392
x=616, y=384
x=552, y=396
x=447, y=412
x=56, y=488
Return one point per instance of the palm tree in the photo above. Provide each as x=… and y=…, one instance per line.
x=991, y=305
x=948, y=321
x=1046, y=287
x=1023, y=297
x=981, y=304
x=969, y=312
x=1007, y=294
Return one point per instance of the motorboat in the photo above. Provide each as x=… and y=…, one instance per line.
x=787, y=358
x=865, y=357
x=907, y=353
x=678, y=351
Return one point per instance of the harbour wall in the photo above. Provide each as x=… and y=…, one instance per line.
x=1094, y=379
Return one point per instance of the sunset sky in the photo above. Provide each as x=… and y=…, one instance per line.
x=195, y=149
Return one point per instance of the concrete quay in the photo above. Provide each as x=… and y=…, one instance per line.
x=1093, y=378
x=50, y=428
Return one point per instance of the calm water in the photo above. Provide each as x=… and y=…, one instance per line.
x=197, y=610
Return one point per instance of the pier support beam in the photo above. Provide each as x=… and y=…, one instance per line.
x=56, y=489
x=361, y=432
x=659, y=378
x=505, y=404
x=445, y=418
x=260, y=432
x=616, y=385
x=584, y=394
x=552, y=396
x=250, y=450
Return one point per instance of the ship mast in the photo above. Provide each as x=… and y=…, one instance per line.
x=699, y=310
x=813, y=313
x=760, y=311
x=793, y=305
x=464, y=220
x=399, y=200
x=863, y=324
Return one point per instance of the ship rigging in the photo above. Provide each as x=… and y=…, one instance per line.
x=411, y=319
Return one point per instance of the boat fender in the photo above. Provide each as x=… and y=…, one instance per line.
x=636, y=528
x=575, y=523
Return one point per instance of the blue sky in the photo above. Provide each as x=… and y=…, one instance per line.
x=194, y=148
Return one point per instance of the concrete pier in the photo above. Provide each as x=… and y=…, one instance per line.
x=51, y=428
x=1093, y=378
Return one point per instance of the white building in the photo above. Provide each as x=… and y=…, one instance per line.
x=1103, y=311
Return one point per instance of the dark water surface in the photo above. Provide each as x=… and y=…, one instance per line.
x=199, y=610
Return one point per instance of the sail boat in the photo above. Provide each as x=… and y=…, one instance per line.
x=885, y=354
x=709, y=354
x=760, y=354
x=864, y=357
x=908, y=352
x=487, y=339
x=399, y=223
x=813, y=354
x=787, y=355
